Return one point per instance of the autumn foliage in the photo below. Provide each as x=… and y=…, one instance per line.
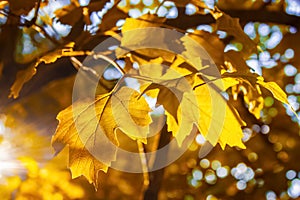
x=89, y=80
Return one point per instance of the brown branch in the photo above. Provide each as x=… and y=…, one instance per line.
x=156, y=177
x=261, y=15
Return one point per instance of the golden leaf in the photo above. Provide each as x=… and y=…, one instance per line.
x=204, y=44
x=25, y=75
x=89, y=128
x=22, y=77
x=277, y=92
x=142, y=32
x=219, y=122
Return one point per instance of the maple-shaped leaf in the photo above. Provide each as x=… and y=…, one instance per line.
x=217, y=121
x=188, y=114
x=89, y=129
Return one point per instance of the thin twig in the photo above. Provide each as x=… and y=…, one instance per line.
x=36, y=12
x=206, y=82
x=78, y=65
x=158, y=7
x=93, y=74
x=111, y=61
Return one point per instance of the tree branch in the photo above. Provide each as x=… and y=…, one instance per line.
x=156, y=177
x=261, y=15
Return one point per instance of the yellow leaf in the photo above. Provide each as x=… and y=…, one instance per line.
x=188, y=115
x=142, y=32
x=229, y=82
x=219, y=122
x=3, y=4
x=10, y=185
x=203, y=44
x=25, y=75
x=277, y=92
x=147, y=20
x=31, y=165
x=22, y=77
x=169, y=89
x=89, y=129
x=254, y=100
x=155, y=70
x=247, y=83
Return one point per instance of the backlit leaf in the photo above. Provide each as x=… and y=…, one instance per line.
x=219, y=122
x=140, y=35
x=277, y=92
x=204, y=44
x=89, y=127
x=25, y=75
x=22, y=77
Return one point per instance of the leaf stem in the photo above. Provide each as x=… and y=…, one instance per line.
x=158, y=7
x=111, y=61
